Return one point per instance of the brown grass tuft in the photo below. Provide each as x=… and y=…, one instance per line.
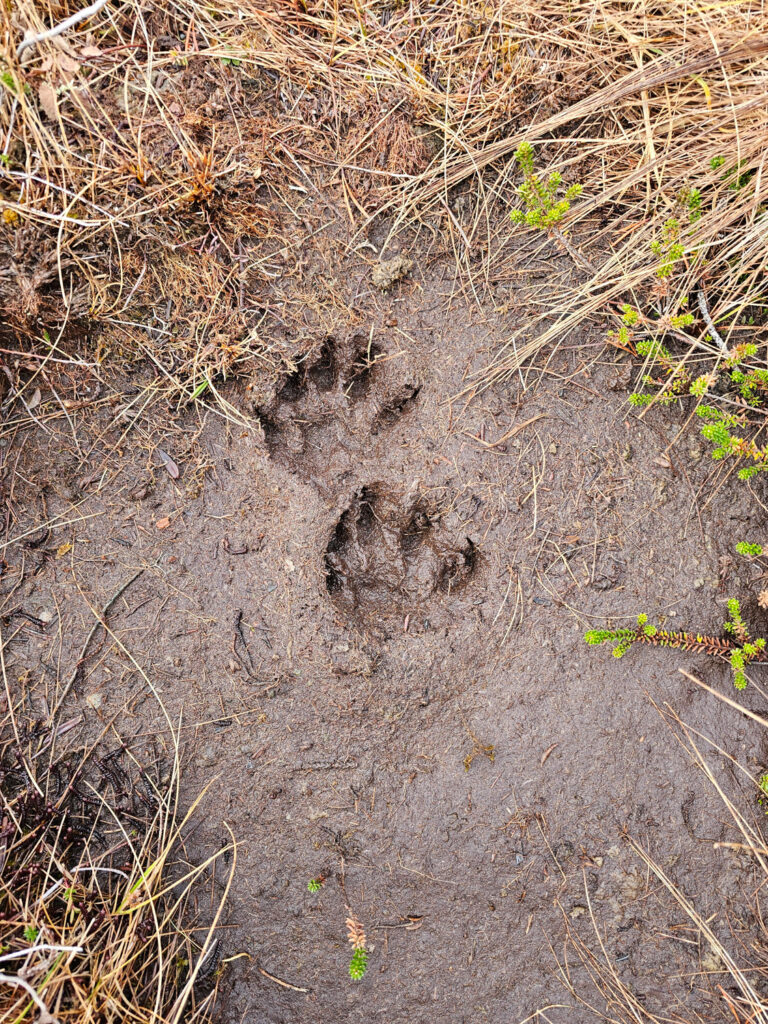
x=96, y=917
x=160, y=162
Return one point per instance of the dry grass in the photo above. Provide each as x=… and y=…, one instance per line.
x=163, y=162
x=96, y=897
x=166, y=167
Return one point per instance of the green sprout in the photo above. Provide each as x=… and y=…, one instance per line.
x=762, y=785
x=314, y=885
x=738, y=647
x=718, y=430
x=358, y=965
x=668, y=249
x=749, y=550
x=739, y=180
x=546, y=201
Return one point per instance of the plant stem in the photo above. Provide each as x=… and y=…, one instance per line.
x=701, y=298
x=573, y=252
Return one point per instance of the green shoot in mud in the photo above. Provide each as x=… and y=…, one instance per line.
x=749, y=550
x=544, y=208
x=719, y=431
x=314, y=885
x=358, y=965
x=762, y=785
x=737, y=647
x=669, y=378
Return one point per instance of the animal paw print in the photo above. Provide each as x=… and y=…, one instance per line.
x=328, y=409
x=387, y=556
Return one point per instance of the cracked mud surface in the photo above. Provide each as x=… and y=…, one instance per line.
x=414, y=581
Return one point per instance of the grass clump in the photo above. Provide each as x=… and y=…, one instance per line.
x=96, y=897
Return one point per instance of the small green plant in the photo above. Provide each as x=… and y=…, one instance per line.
x=739, y=179
x=719, y=431
x=738, y=647
x=668, y=249
x=690, y=198
x=546, y=200
x=679, y=381
x=358, y=965
x=719, y=427
x=749, y=550
x=31, y=933
x=315, y=884
x=8, y=80
x=762, y=785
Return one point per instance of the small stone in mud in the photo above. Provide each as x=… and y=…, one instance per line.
x=389, y=272
x=208, y=755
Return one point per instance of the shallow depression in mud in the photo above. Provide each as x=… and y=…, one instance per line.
x=325, y=413
x=388, y=554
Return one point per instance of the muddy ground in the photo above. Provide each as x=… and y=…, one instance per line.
x=365, y=604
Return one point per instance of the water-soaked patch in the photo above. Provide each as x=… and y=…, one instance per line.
x=387, y=555
x=325, y=412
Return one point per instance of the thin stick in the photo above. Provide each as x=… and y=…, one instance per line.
x=701, y=298
x=73, y=19
x=99, y=622
x=740, y=846
x=726, y=700
x=573, y=252
x=13, y=979
x=284, y=984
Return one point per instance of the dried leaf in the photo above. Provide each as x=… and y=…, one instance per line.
x=762, y=599
x=63, y=549
x=47, y=96
x=170, y=465
x=547, y=752
x=67, y=63
x=163, y=524
x=90, y=51
x=34, y=400
x=355, y=933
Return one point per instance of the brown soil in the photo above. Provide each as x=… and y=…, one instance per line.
x=366, y=608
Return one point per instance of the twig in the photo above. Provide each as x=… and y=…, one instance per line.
x=573, y=252
x=73, y=19
x=284, y=984
x=510, y=433
x=701, y=298
x=45, y=1016
x=99, y=622
x=740, y=846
